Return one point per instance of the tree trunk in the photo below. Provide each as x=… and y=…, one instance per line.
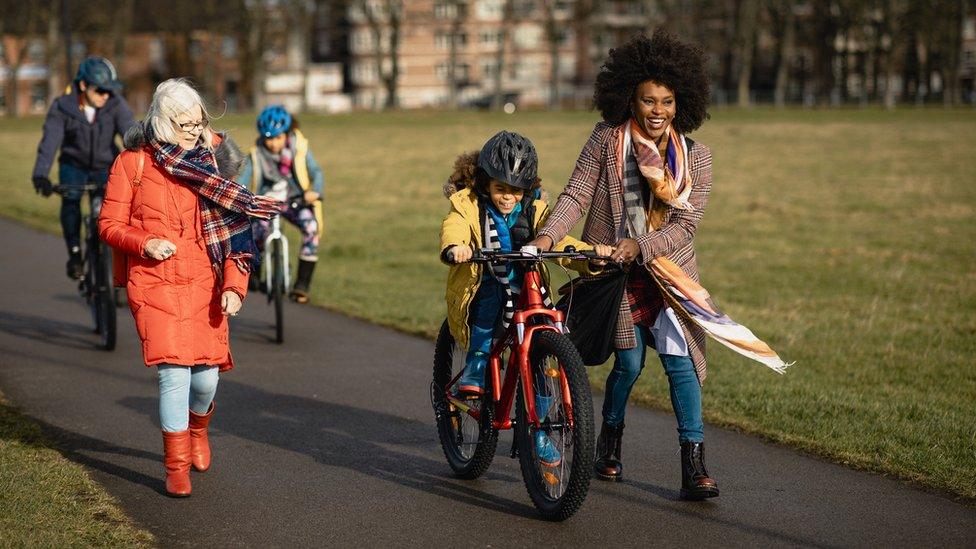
x=452, y=56
x=786, y=47
x=551, y=27
x=748, y=12
x=121, y=26
x=52, y=52
x=395, y=13
x=508, y=10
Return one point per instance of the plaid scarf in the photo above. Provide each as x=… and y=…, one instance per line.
x=225, y=206
x=498, y=237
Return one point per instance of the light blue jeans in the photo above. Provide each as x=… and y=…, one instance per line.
x=682, y=381
x=182, y=389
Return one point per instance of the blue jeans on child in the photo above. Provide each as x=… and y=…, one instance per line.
x=72, y=176
x=483, y=316
x=682, y=379
x=182, y=389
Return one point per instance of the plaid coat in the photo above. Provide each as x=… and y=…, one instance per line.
x=595, y=190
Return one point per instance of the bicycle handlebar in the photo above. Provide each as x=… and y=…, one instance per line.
x=60, y=189
x=493, y=256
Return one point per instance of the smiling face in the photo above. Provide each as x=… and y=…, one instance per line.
x=654, y=108
x=504, y=196
x=188, y=138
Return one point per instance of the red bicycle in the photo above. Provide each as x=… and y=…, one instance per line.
x=541, y=362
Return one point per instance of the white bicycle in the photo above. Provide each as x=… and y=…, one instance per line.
x=277, y=274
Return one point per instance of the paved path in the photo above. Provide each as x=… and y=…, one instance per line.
x=330, y=440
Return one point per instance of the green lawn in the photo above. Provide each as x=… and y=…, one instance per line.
x=846, y=239
x=50, y=502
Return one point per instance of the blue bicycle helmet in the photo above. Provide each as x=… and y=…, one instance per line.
x=98, y=72
x=273, y=121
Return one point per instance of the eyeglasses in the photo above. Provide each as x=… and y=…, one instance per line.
x=191, y=126
x=103, y=91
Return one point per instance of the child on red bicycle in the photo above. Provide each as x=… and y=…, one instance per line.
x=494, y=192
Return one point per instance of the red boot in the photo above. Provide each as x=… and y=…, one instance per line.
x=176, y=450
x=199, y=442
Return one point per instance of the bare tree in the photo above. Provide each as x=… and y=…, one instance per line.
x=52, y=51
x=554, y=35
x=746, y=39
x=787, y=12
x=458, y=13
x=385, y=19
x=508, y=16
x=583, y=13
x=20, y=19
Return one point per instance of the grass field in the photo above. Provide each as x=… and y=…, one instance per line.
x=50, y=502
x=846, y=239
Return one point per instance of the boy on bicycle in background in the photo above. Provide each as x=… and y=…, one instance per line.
x=82, y=123
x=282, y=154
x=494, y=192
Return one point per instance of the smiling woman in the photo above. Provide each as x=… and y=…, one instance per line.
x=644, y=186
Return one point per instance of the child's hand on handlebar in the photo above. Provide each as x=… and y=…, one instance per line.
x=460, y=254
x=602, y=250
x=311, y=196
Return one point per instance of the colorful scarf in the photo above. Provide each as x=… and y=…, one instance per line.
x=280, y=163
x=498, y=236
x=671, y=185
x=225, y=206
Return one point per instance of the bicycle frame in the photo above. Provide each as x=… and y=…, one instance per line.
x=531, y=316
x=275, y=233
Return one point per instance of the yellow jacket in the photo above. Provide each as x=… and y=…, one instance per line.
x=462, y=227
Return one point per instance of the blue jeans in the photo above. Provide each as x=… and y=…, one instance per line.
x=682, y=380
x=72, y=176
x=482, y=317
x=182, y=389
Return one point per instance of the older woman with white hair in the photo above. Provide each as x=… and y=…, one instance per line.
x=175, y=215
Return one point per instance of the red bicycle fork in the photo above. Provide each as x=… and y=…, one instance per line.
x=519, y=338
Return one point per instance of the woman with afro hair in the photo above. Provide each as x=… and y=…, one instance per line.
x=643, y=186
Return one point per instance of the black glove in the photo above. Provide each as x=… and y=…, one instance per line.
x=43, y=186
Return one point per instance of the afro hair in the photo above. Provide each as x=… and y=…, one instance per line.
x=664, y=59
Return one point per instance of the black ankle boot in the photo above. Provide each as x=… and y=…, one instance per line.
x=695, y=482
x=299, y=292
x=75, y=266
x=608, y=465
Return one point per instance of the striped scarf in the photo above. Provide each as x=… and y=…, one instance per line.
x=225, y=206
x=498, y=237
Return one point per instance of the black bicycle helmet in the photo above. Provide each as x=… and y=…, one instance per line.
x=510, y=158
x=98, y=72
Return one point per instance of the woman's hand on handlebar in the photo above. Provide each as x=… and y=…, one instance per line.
x=159, y=249
x=604, y=250
x=626, y=250
x=544, y=243
x=460, y=254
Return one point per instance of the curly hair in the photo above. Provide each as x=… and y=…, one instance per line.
x=663, y=58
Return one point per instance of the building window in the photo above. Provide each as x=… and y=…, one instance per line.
x=445, y=10
x=228, y=47
x=490, y=38
x=490, y=9
x=35, y=51
x=489, y=68
x=442, y=39
x=38, y=95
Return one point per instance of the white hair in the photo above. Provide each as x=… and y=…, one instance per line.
x=172, y=98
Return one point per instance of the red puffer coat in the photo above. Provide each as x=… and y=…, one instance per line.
x=175, y=302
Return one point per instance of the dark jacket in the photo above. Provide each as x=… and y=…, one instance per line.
x=83, y=145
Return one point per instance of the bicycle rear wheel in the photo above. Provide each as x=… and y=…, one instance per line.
x=557, y=489
x=468, y=443
x=103, y=298
x=278, y=289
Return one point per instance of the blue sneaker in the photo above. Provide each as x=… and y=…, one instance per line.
x=545, y=450
x=472, y=382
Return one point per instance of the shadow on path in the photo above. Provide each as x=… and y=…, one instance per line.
x=360, y=440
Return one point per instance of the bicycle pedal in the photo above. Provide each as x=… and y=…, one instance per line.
x=551, y=372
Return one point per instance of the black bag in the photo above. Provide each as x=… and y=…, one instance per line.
x=592, y=306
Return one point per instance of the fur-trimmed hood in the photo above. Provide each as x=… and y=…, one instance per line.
x=229, y=157
x=463, y=176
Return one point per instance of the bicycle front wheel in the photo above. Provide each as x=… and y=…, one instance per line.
x=556, y=458
x=104, y=299
x=468, y=443
x=278, y=289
